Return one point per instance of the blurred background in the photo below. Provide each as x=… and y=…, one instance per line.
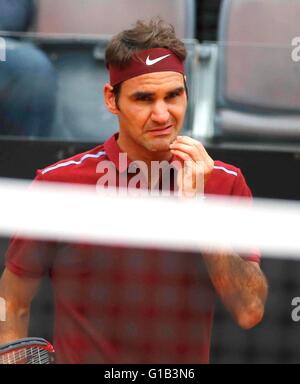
x=243, y=72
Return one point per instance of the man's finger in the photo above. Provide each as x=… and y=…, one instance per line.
x=181, y=155
x=192, y=142
x=192, y=151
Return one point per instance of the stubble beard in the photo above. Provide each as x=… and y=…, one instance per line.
x=160, y=144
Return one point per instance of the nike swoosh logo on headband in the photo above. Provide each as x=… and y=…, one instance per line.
x=152, y=62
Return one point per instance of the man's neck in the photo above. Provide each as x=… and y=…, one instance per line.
x=142, y=154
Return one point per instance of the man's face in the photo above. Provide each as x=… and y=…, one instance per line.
x=151, y=111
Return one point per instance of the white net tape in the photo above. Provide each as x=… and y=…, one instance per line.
x=78, y=213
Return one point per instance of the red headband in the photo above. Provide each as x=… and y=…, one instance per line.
x=148, y=61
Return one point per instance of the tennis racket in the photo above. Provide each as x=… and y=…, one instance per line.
x=31, y=350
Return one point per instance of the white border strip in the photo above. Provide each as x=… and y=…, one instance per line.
x=78, y=213
x=73, y=162
x=226, y=170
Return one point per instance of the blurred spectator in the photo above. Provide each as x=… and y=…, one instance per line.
x=16, y=15
x=27, y=77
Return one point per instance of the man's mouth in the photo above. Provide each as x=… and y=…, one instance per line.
x=161, y=131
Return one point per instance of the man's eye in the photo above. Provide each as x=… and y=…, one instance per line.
x=173, y=95
x=144, y=98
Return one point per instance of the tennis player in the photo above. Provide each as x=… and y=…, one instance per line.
x=119, y=305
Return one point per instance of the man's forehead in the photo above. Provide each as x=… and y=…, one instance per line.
x=155, y=81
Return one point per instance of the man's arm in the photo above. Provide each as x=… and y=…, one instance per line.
x=241, y=285
x=16, y=294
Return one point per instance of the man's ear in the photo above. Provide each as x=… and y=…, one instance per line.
x=110, y=99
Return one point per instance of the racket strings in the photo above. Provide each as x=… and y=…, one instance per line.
x=31, y=355
x=38, y=356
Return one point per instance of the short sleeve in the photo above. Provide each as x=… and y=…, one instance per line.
x=240, y=187
x=29, y=257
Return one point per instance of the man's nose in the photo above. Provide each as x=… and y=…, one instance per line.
x=160, y=113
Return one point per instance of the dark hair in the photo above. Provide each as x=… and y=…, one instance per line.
x=145, y=35
x=155, y=33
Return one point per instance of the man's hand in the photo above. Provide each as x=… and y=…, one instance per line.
x=16, y=294
x=240, y=284
x=196, y=165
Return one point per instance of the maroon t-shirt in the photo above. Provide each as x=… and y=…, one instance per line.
x=124, y=305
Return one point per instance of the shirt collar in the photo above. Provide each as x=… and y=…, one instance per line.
x=113, y=151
